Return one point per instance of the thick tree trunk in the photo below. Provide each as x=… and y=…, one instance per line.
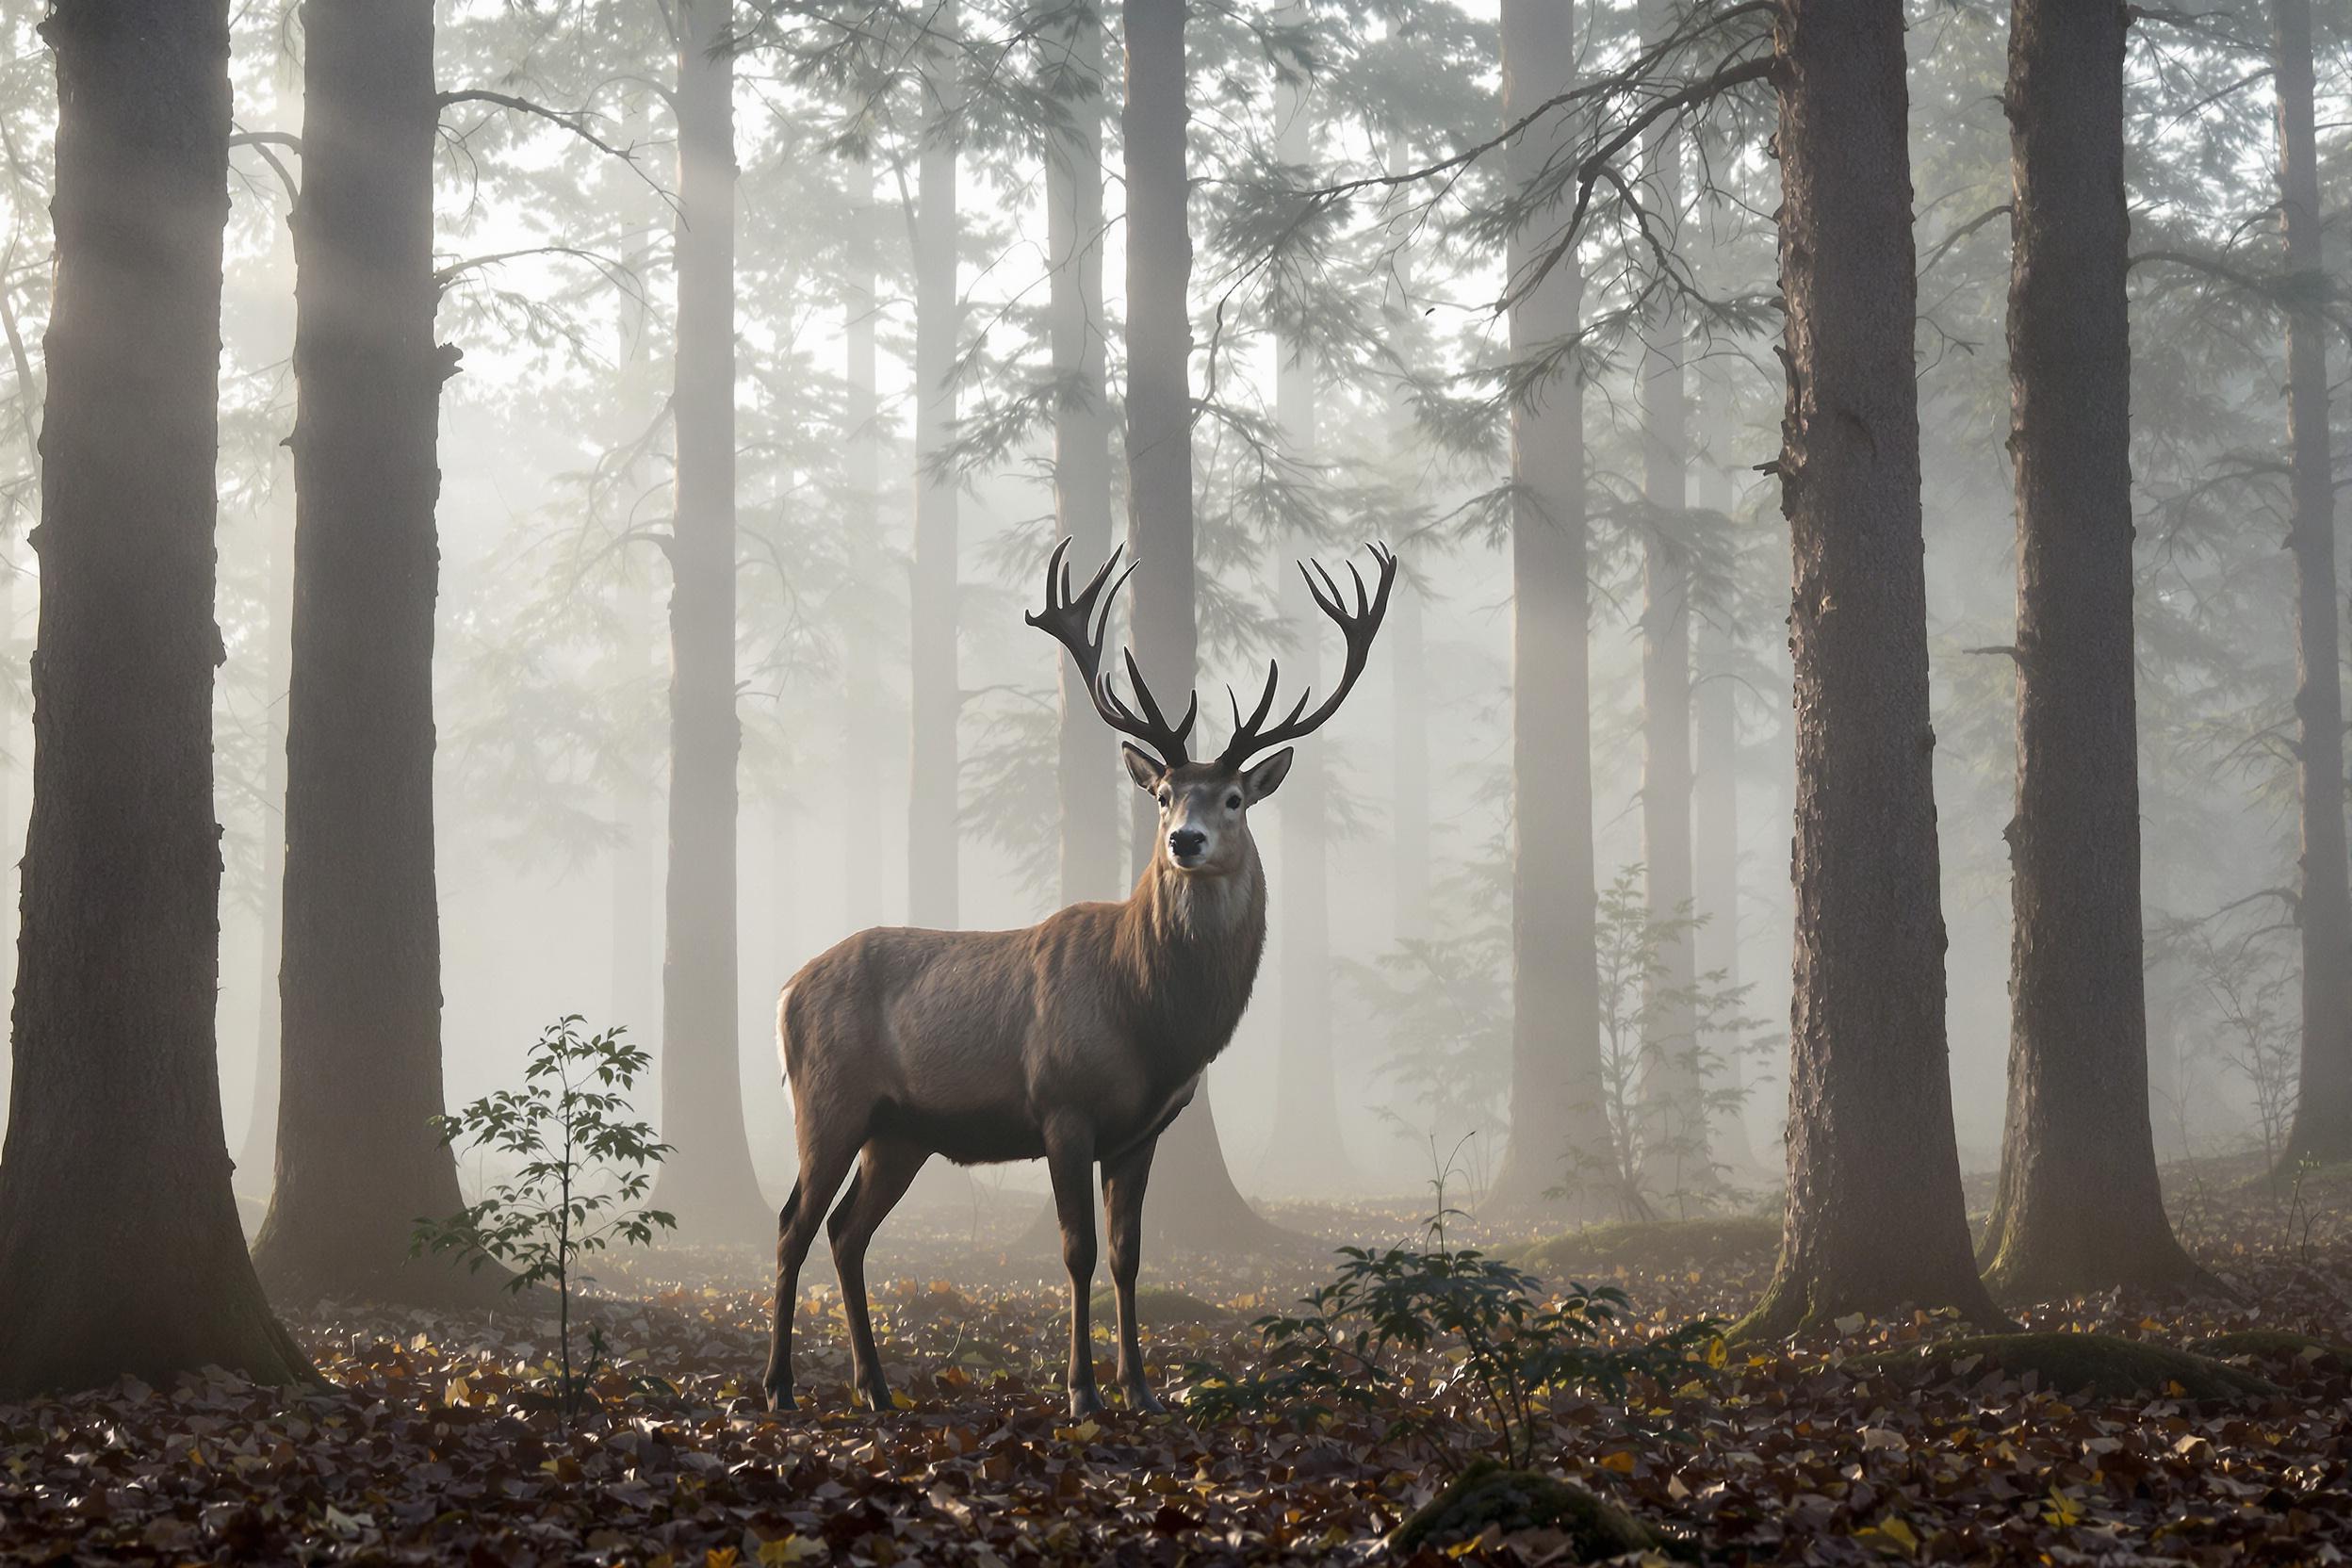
x=1875, y=1216
x=2078, y=1206
x=357, y=1162
x=1674, y=1146
x=1193, y=1201
x=933, y=884
x=2323, y=1111
x=119, y=1250
x=708, y=1184
x=863, y=728
x=1556, y=1111
x=256, y=1162
x=1087, y=770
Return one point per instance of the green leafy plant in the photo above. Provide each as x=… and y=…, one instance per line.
x=1499, y=1336
x=584, y=1170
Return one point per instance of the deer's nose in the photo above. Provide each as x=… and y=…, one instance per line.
x=1185, y=841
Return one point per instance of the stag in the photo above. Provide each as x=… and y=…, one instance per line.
x=1075, y=1042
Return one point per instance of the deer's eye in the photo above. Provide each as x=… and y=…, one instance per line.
x=1164, y=797
x=1232, y=803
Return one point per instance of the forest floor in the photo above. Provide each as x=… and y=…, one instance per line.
x=438, y=1444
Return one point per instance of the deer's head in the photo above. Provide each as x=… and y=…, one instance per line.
x=1205, y=805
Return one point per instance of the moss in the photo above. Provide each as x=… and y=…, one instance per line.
x=1164, y=1306
x=1486, y=1495
x=2277, y=1345
x=2107, y=1366
x=1655, y=1245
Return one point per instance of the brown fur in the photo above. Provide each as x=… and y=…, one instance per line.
x=1075, y=1040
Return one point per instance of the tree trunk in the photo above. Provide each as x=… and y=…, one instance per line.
x=933, y=885
x=1307, y=1153
x=1875, y=1216
x=360, y=986
x=636, y=986
x=1556, y=1053
x=1409, y=835
x=119, y=1250
x=1715, y=857
x=1193, y=1201
x=257, y=1159
x=1674, y=1146
x=1087, y=771
x=708, y=1184
x=2323, y=1110
x=2078, y=1206
x=862, y=699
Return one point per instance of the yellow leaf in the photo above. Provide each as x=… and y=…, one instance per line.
x=900, y=1399
x=721, y=1557
x=459, y=1391
x=1622, y=1462
x=788, y=1549
x=1718, y=1351
x=1890, y=1533
x=2061, y=1509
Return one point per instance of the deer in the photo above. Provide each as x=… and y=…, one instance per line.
x=1077, y=1041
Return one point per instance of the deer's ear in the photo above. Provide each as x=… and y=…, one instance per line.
x=1267, y=777
x=1145, y=770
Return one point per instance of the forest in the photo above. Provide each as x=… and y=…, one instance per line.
x=588, y=990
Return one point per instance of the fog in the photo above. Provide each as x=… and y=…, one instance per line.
x=552, y=658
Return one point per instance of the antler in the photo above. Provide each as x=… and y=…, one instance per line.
x=1359, y=630
x=1071, y=621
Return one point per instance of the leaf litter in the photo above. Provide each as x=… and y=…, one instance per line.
x=438, y=1441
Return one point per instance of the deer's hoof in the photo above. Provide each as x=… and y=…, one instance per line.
x=1085, y=1401
x=779, y=1397
x=876, y=1396
x=1140, y=1397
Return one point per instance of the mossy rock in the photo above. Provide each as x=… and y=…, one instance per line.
x=1486, y=1495
x=1164, y=1306
x=2105, y=1366
x=2277, y=1345
x=1651, y=1246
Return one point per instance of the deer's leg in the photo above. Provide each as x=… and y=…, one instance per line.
x=885, y=1171
x=823, y=1161
x=1069, y=1160
x=1124, y=1180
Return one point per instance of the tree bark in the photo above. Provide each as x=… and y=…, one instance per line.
x=1674, y=1152
x=1875, y=1216
x=1556, y=1053
x=119, y=1250
x=708, y=1184
x=1192, y=1201
x=1087, y=770
x=933, y=884
x=2323, y=1111
x=360, y=986
x=2078, y=1206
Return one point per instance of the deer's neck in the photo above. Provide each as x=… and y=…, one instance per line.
x=1189, y=947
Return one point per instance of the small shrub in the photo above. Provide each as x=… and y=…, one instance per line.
x=1505, y=1345
x=585, y=1167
